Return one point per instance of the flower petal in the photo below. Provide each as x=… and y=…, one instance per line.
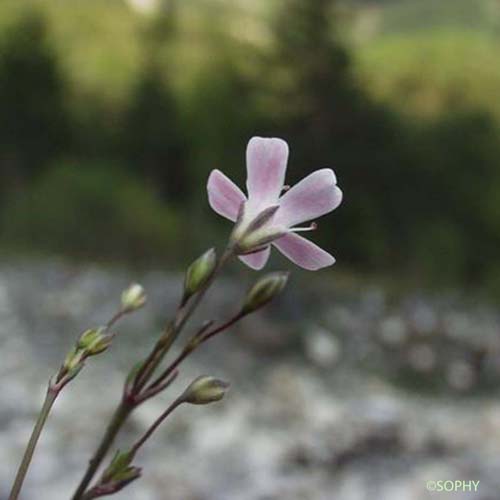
x=256, y=260
x=303, y=252
x=224, y=196
x=266, y=167
x=315, y=195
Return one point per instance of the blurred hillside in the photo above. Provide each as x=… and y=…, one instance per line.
x=114, y=113
x=426, y=56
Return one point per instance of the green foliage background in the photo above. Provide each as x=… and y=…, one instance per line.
x=112, y=120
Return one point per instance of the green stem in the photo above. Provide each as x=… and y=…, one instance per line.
x=155, y=426
x=119, y=417
x=35, y=435
x=191, y=348
x=154, y=359
x=180, y=358
x=174, y=329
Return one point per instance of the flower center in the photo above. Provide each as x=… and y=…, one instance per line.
x=254, y=232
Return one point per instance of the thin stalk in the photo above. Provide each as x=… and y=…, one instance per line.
x=221, y=328
x=35, y=435
x=119, y=417
x=173, y=329
x=201, y=337
x=155, y=425
x=114, y=319
x=55, y=386
x=152, y=362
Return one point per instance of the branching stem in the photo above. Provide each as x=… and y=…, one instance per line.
x=133, y=398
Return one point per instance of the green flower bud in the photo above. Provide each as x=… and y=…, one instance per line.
x=198, y=273
x=73, y=371
x=73, y=359
x=116, y=476
x=126, y=476
x=264, y=290
x=205, y=390
x=100, y=345
x=88, y=337
x=94, y=341
x=119, y=465
x=133, y=298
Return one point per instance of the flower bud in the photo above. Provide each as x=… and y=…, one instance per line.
x=100, y=345
x=94, y=341
x=127, y=476
x=264, y=290
x=204, y=390
x=88, y=337
x=71, y=373
x=133, y=298
x=119, y=464
x=73, y=359
x=198, y=273
x=116, y=476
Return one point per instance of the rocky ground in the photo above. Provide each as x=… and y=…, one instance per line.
x=337, y=393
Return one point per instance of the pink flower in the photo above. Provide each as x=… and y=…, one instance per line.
x=266, y=217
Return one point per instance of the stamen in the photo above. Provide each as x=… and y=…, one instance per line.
x=311, y=227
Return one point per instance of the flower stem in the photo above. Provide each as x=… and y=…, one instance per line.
x=119, y=417
x=171, y=370
x=155, y=426
x=202, y=337
x=35, y=435
x=56, y=384
x=184, y=312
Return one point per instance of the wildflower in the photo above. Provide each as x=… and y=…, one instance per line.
x=266, y=217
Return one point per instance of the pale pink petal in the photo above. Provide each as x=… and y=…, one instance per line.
x=256, y=260
x=303, y=252
x=315, y=195
x=266, y=167
x=224, y=196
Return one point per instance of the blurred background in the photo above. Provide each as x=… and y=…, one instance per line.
x=365, y=380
